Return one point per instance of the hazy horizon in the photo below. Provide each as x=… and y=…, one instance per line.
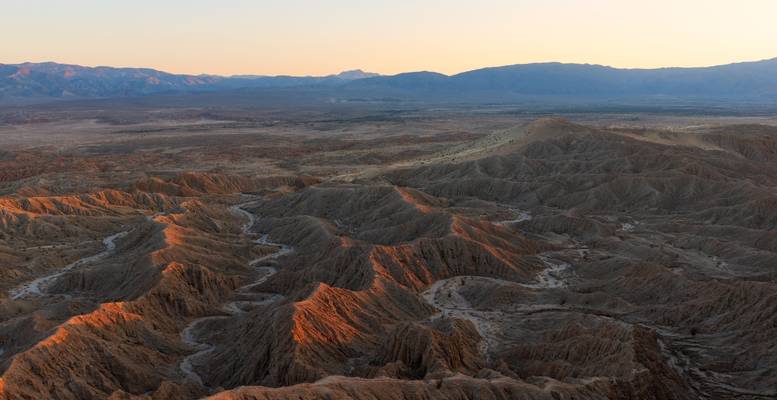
x=370, y=71
x=305, y=38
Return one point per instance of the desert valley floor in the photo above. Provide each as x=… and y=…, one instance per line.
x=383, y=255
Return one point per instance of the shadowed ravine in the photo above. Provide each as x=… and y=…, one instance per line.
x=38, y=286
x=388, y=255
x=189, y=334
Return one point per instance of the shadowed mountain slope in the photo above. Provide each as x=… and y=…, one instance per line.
x=554, y=82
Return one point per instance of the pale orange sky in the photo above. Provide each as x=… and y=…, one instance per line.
x=321, y=37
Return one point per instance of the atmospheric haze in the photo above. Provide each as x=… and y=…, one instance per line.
x=320, y=38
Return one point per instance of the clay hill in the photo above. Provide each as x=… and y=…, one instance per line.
x=539, y=260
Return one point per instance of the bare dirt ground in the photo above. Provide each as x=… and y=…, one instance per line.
x=380, y=253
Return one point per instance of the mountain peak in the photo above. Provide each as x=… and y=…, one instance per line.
x=42, y=81
x=355, y=74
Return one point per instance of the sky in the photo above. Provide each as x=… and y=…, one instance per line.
x=297, y=37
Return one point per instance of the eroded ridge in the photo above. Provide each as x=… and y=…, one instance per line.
x=190, y=336
x=38, y=286
x=391, y=257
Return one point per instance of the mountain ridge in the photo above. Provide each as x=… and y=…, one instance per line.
x=51, y=81
x=31, y=82
x=756, y=78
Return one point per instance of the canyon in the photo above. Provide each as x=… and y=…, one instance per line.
x=374, y=253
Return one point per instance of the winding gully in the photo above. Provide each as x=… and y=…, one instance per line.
x=39, y=286
x=455, y=305
x=245, y=298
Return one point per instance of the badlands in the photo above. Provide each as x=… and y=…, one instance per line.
x=384, y=255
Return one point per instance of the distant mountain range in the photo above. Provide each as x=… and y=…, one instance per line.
x=33, y=82
x=289, y=81
x=741, y=79
x=30, y=82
